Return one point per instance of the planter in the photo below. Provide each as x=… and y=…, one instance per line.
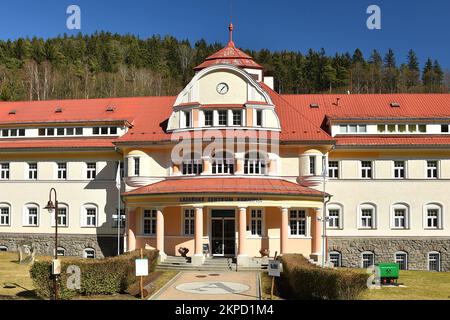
x=264, y=252
x=183, y=251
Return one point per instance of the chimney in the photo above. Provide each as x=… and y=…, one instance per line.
x=269, y=82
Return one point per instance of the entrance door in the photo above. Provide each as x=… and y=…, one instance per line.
x=223, y=233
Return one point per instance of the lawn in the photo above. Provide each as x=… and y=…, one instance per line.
x=420, y=285
x=15, y=281
x=266, y=284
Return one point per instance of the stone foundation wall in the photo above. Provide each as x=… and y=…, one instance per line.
x=74, y=245
x=384, y=249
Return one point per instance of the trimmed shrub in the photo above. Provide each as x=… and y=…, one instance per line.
x=302, y=280
x=105, y=276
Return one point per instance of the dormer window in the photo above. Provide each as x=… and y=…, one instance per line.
x=223, y=117
x=209, y=118
x=237, y=118
x=259, y=118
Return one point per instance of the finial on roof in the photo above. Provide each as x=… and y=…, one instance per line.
x=231, y=28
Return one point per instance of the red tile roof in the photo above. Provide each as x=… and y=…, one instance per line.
x=69, y=143
x=254, y=186
x=389, y=141
x=229, y=55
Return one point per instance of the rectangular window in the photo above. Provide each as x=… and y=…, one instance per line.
x=91, y=217
x=366, y=169
x=432, y=169
x=381, y=128
x=62, y=171
x=444, y=128
x=122, y=219
x=96, y=130
x=333, y=218
x=4, y=171
x=5, y=133
x=209, y=118
x=237, y=118
x=13, y=132
x=32, y=171
x=333, y=169
x=412, y=128
x=62, y=217
x=70, y=131
x=21, y=132
x=434, y=262
x=4, y=216
x=399, y=169
x=402, y=128
x=400, y=218
x=297, y=222
x=402, y=260
x=91, y=170
x=149, y=224
x=79, y=131
x=362, y=128
x=113, y=130
x=353, y=128
x=343, y=128
x=104, y=130
x=433, y=218
x=422, y=128
x=256, y=222
x=367, y=219
x=60, y=131
x=137, y=167
x=259, y=118
x=187, y=119
x=335, y=259
x=223, y=117
x=189, y=222
x=368, y=260
x=32, y=216
x=50, y=131
x=41, y=132
x=312, y=165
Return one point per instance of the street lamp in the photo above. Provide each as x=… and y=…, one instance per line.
x=52, y=207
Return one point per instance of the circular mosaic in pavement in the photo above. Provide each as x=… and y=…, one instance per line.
x=212, y=287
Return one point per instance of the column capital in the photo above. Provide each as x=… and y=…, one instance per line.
x=199, y=208
x=285, y=209
x=242, y=207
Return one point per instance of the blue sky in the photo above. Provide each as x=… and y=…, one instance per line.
x=337, y=26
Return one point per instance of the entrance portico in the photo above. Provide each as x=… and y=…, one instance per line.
x=231, y=225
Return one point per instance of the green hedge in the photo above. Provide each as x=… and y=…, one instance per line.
x=302, y=280
x=103, y=276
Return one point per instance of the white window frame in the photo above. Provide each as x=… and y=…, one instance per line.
x=364, y=260
x=256, y=111
x=438, y=262
x=340, y=209
x=152, y=218
x=225, y=112
x=85, y=253
x=433, y=206
x=61, y=206
x=233, y=113
x=62, y=171
x=91, y=173
x=212, y=118
x=406, y=258
x=26, y=215
x=297, y=220
x=188, y=216
x=32, y=172
x=5, y=171
x=397, y=170
x=84, y=216
x=192, y=166
x=428, y=168
x=256, y=219
x=60, y=249
x=256, y=166
x=335, y=253
x=115, y=219
x=406, y=208
x=366, y=169
x=336, y=170
x=366, y=206
x=4, y=216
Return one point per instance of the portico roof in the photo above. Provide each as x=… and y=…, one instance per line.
x=253, y=186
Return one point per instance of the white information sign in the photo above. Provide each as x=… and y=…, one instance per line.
x=275, y=268
x=141, y=267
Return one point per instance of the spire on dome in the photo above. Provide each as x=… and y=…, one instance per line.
x=231, y=28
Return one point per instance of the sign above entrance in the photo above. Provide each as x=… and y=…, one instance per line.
x=218, y=199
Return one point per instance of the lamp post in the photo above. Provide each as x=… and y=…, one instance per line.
x=53, y=207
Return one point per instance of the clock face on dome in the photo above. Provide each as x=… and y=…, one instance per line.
x=222, y=88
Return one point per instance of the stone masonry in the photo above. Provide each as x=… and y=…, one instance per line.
x=384, y=249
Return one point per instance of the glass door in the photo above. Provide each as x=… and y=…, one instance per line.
x=217, y=244
x=223, y=233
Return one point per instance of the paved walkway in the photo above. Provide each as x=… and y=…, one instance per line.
x=211, y=286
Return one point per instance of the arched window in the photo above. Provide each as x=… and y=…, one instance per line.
x=401, y=257
x=367, y=216
x=61, y=252
x=222, y=162
x=192, y=164
x=367, y=259
x=89, y=215
x=335, y=216
x=434, y=261
x=335, y=258
x=89, y=253
x=5, y=214
x=63, y=215
x=433, y=216
x=255, y=163
x=31, y=215
x=400, y=216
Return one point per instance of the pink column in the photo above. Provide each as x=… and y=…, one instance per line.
x=131, y=230
x=284, y=230
x=316, y=233
x=198, y=231
x=242, y=245
x=160, y=231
